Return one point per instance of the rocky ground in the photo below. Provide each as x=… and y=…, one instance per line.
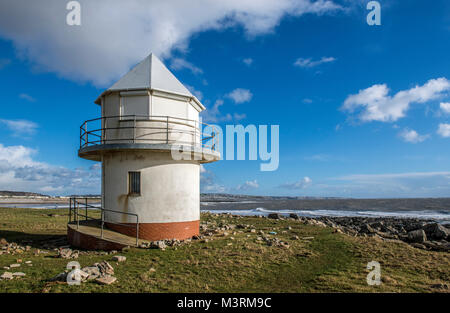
x=423, y=234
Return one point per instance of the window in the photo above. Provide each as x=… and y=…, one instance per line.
x=134, y=183
x=134, y=105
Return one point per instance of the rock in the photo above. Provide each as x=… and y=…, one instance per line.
x=19, y=274
x=294, y=216
x=106, y=280
x=92, y=272
x=436, y=231
x=275, y=216
x=440, y=286
x=7, y=275
x=119, y=258
x=152, y=270
x=27, y=262
x=14, y=265
x=105, y=268
x=158, y=245
x=253, y=230
x=295, y=237
x=65, y=253
x=418, y=236
x=366, y=229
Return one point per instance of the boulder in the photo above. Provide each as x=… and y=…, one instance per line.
x=418, y=236
x=119, y=258
x=106, y=280
x=366, y=229
x=158, y=245
x=274, y=216
x=294, y=216
x=7, y=275
x=436, y=231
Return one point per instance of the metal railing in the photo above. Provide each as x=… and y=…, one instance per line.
x=82, y=203
x=147, y=129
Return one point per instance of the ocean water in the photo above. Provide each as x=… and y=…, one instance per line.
x=441, y=216
x=437, y=215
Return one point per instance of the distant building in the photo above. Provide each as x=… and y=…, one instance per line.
x=145, y=118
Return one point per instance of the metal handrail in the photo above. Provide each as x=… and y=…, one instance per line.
x=99, y=133
x=74, y=205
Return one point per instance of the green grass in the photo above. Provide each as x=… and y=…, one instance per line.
x=328, y=263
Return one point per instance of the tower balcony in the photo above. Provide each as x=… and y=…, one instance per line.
x=141, y=132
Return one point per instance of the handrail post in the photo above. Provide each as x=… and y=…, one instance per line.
x=103, y=219
x=70, y=210
x=78, y=217
x=137, y=230
x=86, y=205
x=86, y=134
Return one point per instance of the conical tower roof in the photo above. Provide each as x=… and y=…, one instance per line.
x=150, y=74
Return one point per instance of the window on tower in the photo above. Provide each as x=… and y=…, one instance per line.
x=134, y=183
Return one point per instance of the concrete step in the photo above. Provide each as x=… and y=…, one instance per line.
x=87, y=235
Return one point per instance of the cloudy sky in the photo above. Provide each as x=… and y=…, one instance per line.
x=363, y=111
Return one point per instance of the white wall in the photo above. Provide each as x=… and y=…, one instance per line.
x=170, y=190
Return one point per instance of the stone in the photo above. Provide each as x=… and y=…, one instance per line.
x=418, y=236
x=92, y=271
x=105, y=268
x=275, y=216
x=295, y=237
x=19, y=274
x=119, y=258
x=14, y=265
x=294, y=216
x=65, y=253
x=436, y=231
x=27, y=262
x=158, y=245
x=366, y=229
x=7, y=275
x=106, y=280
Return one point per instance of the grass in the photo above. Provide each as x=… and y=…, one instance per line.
x=330, y=262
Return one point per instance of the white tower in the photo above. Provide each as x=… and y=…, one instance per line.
x=145, y=115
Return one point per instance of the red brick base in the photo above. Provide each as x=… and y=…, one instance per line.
x=159, y=231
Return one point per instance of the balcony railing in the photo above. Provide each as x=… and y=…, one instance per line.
x=141, y=129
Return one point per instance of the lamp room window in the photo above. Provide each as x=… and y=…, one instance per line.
x=134, y=183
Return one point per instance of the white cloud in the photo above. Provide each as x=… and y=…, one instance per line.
x=375, y=104
x=410, y=135
x=412, y=184
x=195, y=92
x=445, y=107
x=20, y=127
x=208, y=181
x=116, y=34
x=19, y=171
x=444, y=130
x=27, y=97
x=308, y=63
x=240, y=95
x=248, y=61
x=250, y=184
x=213, y=115
x=179, y=64
x=301, y=184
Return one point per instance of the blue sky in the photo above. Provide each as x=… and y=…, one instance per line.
x=363, y=110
